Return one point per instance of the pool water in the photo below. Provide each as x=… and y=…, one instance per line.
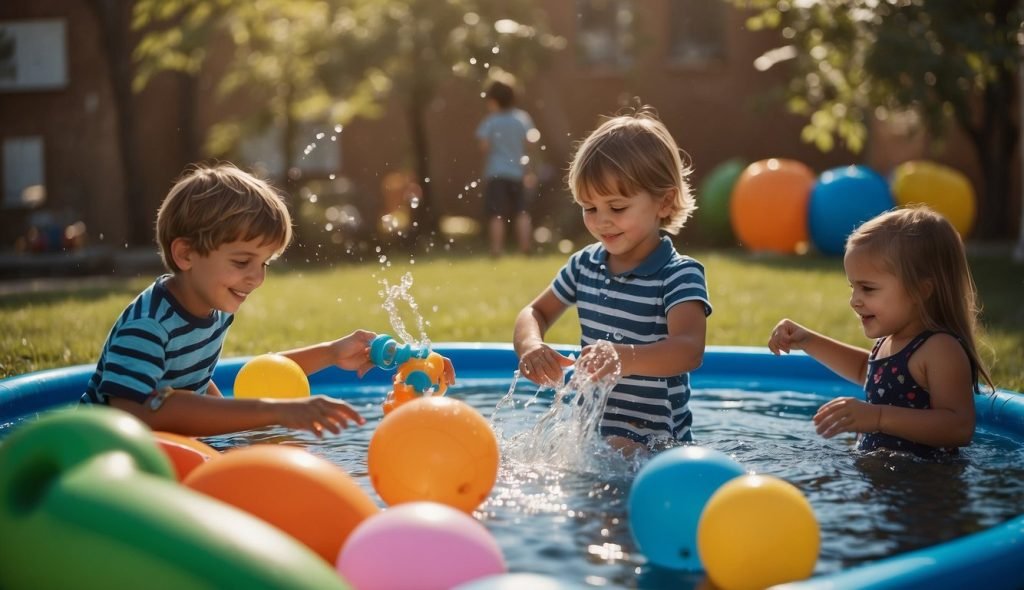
x=568, y=519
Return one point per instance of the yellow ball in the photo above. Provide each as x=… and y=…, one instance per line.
x=271, y=375
x=757, y=531
x=944, y=189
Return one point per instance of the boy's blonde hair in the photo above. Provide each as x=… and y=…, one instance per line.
x=213, y=205
x=631, y=153
x=924, y=251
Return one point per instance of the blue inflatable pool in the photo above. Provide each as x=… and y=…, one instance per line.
x=988, y=559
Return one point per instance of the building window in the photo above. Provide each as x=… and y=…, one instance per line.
x=24, y=172
x=697, y=31
x=33, y=55
x=605, y=35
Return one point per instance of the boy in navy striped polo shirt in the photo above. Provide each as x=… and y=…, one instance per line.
x=631, y=287
x=218, y=228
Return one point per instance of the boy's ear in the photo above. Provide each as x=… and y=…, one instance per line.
x=668, y=199
x=182, y=253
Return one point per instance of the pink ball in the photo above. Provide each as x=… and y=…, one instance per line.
x=419, y=545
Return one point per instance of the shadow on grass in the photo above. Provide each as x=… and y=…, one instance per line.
x=69, y=293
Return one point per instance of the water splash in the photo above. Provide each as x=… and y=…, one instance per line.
x=566, y=437
x=393, y=295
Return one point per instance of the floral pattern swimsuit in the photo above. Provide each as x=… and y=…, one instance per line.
x=890, y=383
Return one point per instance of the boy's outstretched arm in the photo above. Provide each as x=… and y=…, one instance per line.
x=185, y=412
x=351, y=352
x=537, y=361
x=849, y=362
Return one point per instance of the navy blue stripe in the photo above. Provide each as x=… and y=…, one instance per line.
x=214, y=336
x=197, y=386
x=154, y=304
x=120, y=391
x=200, y=365
x=136, y=354
x=608, y=430
x=687, y=422
x=168, y=314
x=136, y=333
x=124, y=316
x=658, y=410
x=652, y=387
x=121, y=370
x=638, y=422
x=89, y=397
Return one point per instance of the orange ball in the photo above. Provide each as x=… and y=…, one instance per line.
x=436, y=449
x=768, y=208
x=307, y=497
x=185, y=452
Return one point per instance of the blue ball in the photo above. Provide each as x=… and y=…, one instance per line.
x=842, y=199
x=667, y=498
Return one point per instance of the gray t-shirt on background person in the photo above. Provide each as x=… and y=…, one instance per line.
x=505, y=132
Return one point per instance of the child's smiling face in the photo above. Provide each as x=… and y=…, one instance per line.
x=880, y=299
x=627, y=225
x=224, y=278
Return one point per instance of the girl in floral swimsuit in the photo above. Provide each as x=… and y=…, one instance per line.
x=913, y=293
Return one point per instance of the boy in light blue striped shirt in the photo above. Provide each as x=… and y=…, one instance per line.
x=218, y=228
x=631, y=288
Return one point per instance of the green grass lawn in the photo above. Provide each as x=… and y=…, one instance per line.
x=477, y=299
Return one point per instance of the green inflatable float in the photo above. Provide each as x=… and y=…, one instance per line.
x=88, y=501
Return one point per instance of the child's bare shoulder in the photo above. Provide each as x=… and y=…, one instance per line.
x=943, y=343
x=941, y=350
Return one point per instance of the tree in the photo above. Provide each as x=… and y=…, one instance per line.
x=113, y=17
x=424, y=42
x=276, y=54
x=953, y=62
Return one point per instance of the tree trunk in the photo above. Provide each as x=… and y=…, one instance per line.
x=191, y=150
x=289, y=178
x=995, y=140
x=1018, y=252
x=114, y=18
x=424, y=216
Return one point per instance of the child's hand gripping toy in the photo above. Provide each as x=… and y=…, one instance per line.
x=419, y=370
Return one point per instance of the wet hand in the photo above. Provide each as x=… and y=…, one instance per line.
x=543, y=365
x=599, y=361
x=787, y=336
x=846, y=414
x=317, y=414
x=352, y=352
x=449, y=371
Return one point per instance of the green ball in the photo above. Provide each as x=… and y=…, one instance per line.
x=89, y=501
x=62, y=439
x=713, y=198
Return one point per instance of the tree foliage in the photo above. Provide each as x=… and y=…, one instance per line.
x=274, y=55
x=951, y=62
x=430, y=42
x=332, y=60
